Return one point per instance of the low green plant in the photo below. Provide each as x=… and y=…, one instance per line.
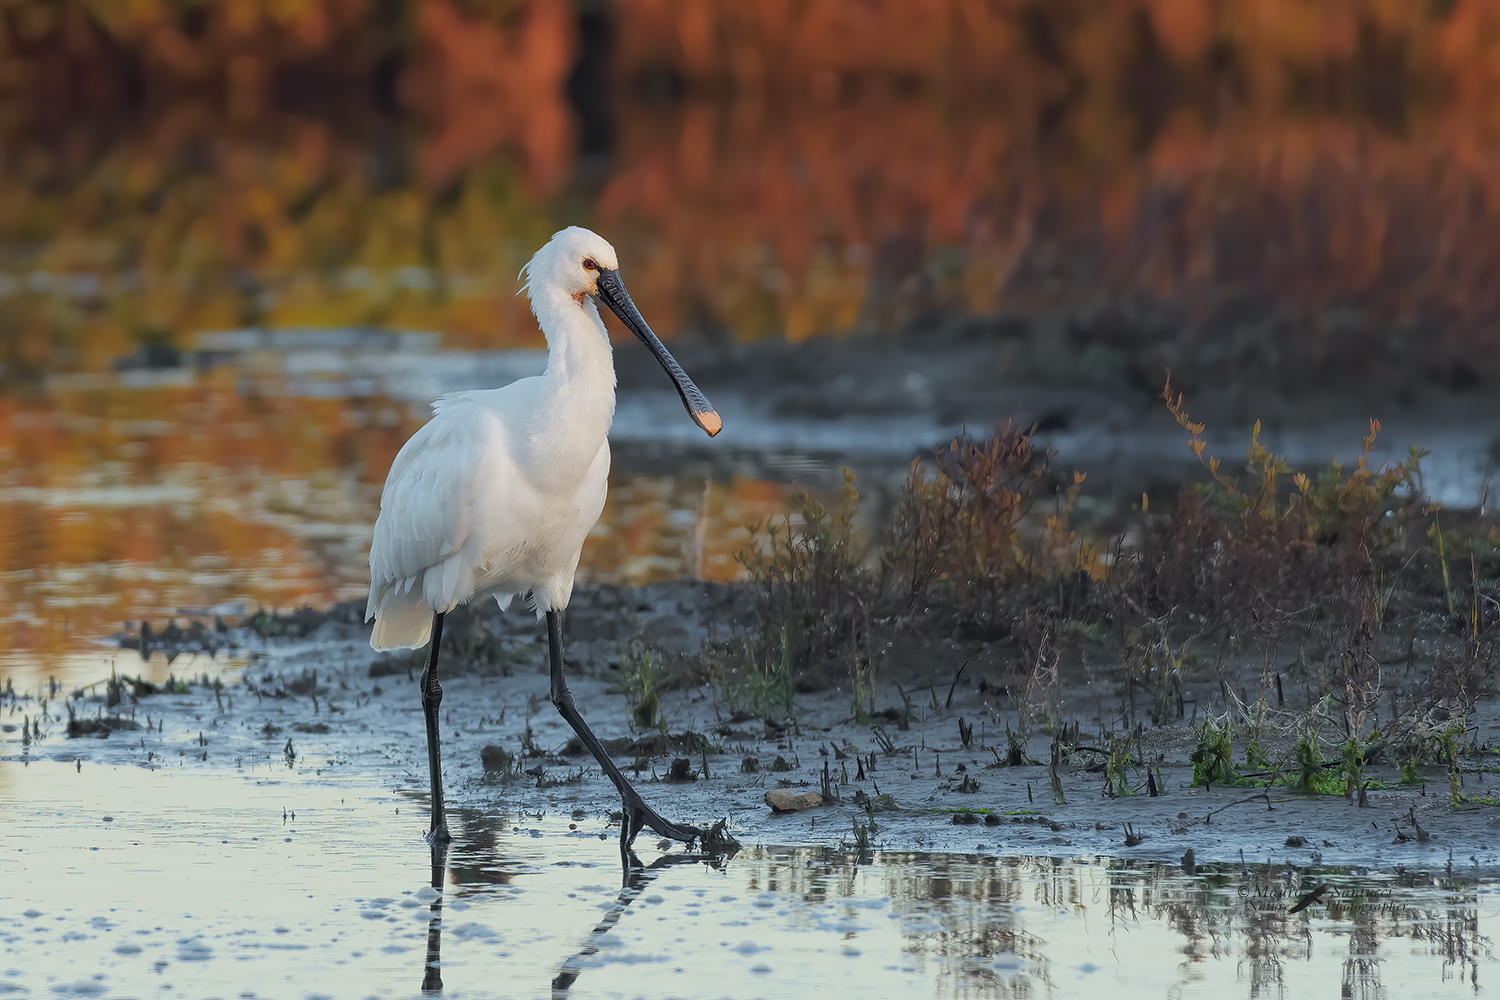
x=1115, y=766
x=1015, y=746
x=861, y=835
x=1052, y=773
x=974, y=552
x=763, y=687
x=809, y=591
x=1331, y=505
x=955, y=534
x=1354, y=763
x=1213, y=760
x=1256, y=757
x=1312, y=777
x=862, y=698
x=642, y=688
x=1435, y=536
x=1240, y=546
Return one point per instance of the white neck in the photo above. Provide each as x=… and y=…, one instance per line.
x=578, y=399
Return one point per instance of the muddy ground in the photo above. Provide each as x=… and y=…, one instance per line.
x=314, y=695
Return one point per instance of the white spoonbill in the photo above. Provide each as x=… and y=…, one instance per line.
x=494, y=495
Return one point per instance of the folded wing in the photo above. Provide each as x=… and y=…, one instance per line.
x=420, y=559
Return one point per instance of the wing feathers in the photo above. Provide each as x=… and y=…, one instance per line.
x=402, y=627
x=419, y=557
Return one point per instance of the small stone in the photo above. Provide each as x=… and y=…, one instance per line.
x=783, y=801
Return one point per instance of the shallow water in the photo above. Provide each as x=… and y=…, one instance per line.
x=276, y=881
x=217, y=337
x=188, y=495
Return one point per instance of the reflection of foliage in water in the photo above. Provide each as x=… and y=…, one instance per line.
x=1173, y=152
x=178, y=166
x=961, y=908
x=118, y=504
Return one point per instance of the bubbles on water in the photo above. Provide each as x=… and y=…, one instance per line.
x=867, y=902
x=469, y=930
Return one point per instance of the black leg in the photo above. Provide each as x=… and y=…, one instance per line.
x=432, y=697
x=636, y=815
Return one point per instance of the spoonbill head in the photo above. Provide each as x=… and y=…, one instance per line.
x=495, y=495
x=581, y=265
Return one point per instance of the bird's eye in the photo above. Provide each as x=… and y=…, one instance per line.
x=589, y=265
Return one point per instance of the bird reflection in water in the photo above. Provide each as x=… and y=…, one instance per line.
x=634, y=878
x=478, y=866
x=432, y=967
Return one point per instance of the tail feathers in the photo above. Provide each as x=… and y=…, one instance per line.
x=402, y=623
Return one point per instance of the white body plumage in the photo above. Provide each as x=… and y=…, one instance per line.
x=496, y=493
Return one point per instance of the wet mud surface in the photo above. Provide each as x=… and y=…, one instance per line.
x=265, y=835
x=313, y=695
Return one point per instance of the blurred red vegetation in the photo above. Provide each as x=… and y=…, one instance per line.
x=118, y=504
x=830, y=164
x=1301, y=155
x=771, y=169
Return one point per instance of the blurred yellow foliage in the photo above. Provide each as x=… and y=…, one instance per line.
x=767, y=169
x=119, y=504
x=836, y=164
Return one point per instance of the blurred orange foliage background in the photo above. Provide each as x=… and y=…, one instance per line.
x=774, y=168
x=766, y=169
